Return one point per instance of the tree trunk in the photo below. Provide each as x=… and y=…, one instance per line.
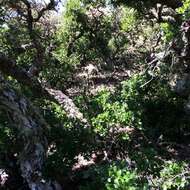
x=32, y=128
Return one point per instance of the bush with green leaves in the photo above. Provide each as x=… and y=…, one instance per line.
x=184, y=10
x=116, y=175
x=122, y=179
x=67, y=139
x=138, y=106
x=169, y=31
x=173, y=175
x=151, y=110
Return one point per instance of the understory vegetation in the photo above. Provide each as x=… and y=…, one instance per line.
x=94, y=95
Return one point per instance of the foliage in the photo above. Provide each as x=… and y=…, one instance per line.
x=169, y=31
x=136, y=130
x=184, y=10
x=113, y=176
x=128, y=19
x=173, y=176
x=67, y=139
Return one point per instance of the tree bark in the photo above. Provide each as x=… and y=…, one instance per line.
x=32, y=128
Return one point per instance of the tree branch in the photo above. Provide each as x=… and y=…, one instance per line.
x=9, y=67
x=50, y=6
